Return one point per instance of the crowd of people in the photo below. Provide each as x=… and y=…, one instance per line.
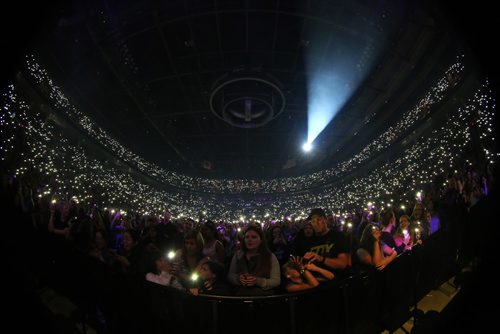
x=58, y=167
x=97, y=255
x=437, y=93
x=248, y=258
x=110, y=222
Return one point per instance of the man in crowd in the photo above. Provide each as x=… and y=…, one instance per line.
x=327, y=248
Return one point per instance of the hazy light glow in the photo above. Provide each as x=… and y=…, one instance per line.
x=336, y=69
x=66, y=170
x=326, y=97
x=307, y=146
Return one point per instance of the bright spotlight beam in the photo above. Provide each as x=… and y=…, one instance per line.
x=335, y=73
x=307, y=146
x=327, y=96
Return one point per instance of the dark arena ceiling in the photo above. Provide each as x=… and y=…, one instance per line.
x=222, y=88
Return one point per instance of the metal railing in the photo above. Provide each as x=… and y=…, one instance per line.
x=368, y=302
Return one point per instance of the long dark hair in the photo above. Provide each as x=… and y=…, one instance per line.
x=263, y=268
x=367, y=241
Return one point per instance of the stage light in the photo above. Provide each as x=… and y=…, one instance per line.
x=307, y=146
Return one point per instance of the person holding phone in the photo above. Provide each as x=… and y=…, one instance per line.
x=373, y=251
x=254, y=269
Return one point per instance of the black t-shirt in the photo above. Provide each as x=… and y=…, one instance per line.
x=329, y=245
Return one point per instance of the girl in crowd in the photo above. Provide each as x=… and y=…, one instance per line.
x=418, y=222
x=405, y=236
x=212, y=280
x=278, y=244
x=254, y=269
x=213, y=248
x=188, y=259
x=372, y=250
x=159, y=270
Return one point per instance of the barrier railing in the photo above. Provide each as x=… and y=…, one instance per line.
x=365, y=303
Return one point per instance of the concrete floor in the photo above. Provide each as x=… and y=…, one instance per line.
x=435, y=300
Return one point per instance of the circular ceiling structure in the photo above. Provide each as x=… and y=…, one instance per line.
x=247, y=101
x=230, y=84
